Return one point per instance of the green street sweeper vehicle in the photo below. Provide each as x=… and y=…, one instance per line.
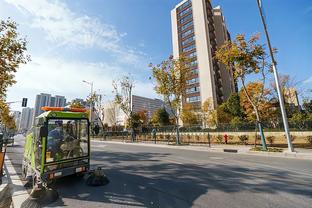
x=58, y=146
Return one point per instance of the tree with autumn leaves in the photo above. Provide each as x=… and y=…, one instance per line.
x=189, y=116
x=160, y=117
x=5, y=117
x=12, y=55
x=248, y=57
x=259, y=97
x=171, y=76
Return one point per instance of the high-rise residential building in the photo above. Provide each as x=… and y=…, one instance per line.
x=222, y=35
x=26, y=119
x=197, y=31
x=60, y=101
x=17, y=117
x=44, y=99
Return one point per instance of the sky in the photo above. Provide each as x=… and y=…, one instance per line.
x=103, y=40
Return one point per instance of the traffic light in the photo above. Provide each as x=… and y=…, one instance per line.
x=24, y=102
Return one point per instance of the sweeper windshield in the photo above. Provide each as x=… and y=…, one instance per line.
x=67, y=139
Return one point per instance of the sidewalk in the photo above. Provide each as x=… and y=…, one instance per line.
x=238, y=149
x=19, y=192
x=5, y=190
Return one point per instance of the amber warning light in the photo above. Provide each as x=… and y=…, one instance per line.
x=46, y=108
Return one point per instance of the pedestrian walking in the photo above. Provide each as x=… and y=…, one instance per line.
x=96, y=129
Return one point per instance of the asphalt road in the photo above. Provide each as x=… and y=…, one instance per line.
x=162, y=177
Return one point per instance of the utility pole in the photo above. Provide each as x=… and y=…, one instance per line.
x=131, y=108
x=91, y=101
x=277, y=82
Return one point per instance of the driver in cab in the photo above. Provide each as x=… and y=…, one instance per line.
x=55, y=138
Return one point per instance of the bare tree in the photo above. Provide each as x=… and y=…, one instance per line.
x=286, y=83
x=98, y=107
x=123, y=97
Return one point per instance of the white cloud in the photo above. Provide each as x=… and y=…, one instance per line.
x=57, y=76
x=64, y=27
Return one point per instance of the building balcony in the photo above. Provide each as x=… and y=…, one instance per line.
x=217, y=76
x=219, y=92
x=210, y=19
x=220, y=100
x=208, y=5
x=211, y=25
x=212, y=35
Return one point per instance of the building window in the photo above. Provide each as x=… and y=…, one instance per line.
x=186, y=33
x=185, y=11
x=193, y=81
x=190, y=39
x=184, y=19
x=193, y=63
x=187, y=25
x=194, y=71
x=193, y=99
x=192, y=55
x=184, y=5
x=192, y=90
x=191, y=47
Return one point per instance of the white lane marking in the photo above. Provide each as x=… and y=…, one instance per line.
x=19, y=193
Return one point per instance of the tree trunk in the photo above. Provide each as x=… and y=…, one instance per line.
x=264, y=146
x=178, y=132
x=132, y=134
x=102, y=127
x=256, y=136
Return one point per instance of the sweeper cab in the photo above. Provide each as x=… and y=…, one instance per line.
x=58, y=145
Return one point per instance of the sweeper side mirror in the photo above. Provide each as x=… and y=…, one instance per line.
x=43, y=131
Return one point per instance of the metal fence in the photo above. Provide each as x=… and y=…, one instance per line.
x=221, y=127
x=199, y=135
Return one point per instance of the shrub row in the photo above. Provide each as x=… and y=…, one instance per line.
x=189, y=138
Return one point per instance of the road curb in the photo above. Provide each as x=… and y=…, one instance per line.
x=18, y=191
x=293, y=155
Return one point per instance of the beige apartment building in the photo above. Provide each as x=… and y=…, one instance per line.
x=197, y=31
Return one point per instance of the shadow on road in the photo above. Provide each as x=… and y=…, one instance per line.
x=147, y=180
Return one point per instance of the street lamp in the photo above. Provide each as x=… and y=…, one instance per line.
x=278, y=87
x=91, y=103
